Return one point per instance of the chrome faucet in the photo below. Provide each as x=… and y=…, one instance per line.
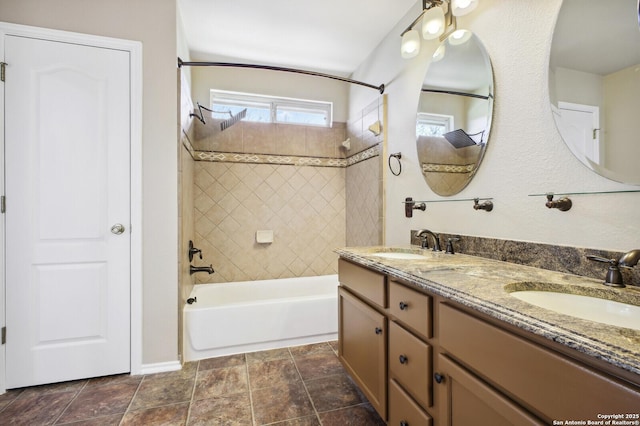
x=614, y=276
x=194, y=269
x=423, y=233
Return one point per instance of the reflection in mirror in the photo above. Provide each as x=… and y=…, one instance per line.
x=454, y=113
x=594, y=85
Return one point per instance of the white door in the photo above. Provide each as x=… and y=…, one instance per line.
x=579, y=126
x=67, y=124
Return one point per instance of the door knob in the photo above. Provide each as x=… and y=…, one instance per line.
x=117, y=229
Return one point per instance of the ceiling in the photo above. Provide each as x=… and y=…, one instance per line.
x=333, y=36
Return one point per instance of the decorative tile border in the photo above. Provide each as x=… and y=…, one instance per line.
x=447, y=168
x=374, y=151
x=235, y=157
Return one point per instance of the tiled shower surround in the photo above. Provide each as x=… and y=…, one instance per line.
x=298, y=181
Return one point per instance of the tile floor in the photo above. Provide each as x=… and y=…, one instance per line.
x=297, y=386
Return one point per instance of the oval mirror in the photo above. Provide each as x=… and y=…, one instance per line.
x=454, y=113
x=594, y=85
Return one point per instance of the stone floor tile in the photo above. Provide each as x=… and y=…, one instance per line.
x=99, y=401
x=361, y=415
x=318, y=365
x=312, y=349
x=222, y=362
x=333, y=392
x=234, y=410
x=279, y=403
x=303, y=421
x=36, y=409
x=155, y=393
x=221, y=382
x=272, y=373
x=268, y=355
x=112, y=420
x=167, y=415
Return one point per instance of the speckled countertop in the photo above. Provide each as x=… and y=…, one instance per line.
x=484, y=285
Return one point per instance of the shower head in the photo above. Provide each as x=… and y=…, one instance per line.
x=233, y=120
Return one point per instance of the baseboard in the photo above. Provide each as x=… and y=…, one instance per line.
x=159, y=367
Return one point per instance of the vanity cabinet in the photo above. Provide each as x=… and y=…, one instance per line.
x=424, y=360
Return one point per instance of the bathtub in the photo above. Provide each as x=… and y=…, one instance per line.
x=250, y=316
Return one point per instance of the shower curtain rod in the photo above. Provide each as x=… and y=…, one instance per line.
x=450, y=92
x=182, y=63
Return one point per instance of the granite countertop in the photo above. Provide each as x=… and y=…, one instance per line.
x=484, y=285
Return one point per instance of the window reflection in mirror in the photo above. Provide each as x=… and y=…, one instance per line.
x=594, y=85
x=454, y=113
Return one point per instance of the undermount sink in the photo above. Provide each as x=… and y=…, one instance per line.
x=398, y=255
x=585, y=307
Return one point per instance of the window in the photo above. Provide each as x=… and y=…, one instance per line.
x=433, y=124
x=270, y=109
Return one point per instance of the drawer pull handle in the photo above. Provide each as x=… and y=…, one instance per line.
x=378, y=330
x=403, y=359
x=438, y=377
x=404, y=423
x=403, y=306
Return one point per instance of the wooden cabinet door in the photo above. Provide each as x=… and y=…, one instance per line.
x=466, y=400
x=362, y=339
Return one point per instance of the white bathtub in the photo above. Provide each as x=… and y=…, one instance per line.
x=250, y=316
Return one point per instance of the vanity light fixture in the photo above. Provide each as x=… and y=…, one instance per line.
x=433, y=23
x=462, y=7
x=410, y=44
x=459, y=37
x=438, y=21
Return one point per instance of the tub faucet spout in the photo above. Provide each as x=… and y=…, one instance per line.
x=436, y=239
x=194, y=269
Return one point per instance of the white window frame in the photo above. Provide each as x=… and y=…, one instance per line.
x=436, y=119
x=273, y=103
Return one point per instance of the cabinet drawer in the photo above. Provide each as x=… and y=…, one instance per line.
x=548, y=383
x=410, y=363
x=411, y=308
x=403, y=410
x=368, y=284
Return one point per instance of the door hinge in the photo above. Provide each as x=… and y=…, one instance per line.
x=4, y=335
x=3, y=204
x=2, y=68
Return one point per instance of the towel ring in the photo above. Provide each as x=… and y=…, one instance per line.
x=397, y=156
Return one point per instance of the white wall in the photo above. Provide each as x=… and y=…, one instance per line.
x=153, y=22
x=525, y=153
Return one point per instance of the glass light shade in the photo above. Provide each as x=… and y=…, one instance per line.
x=410, y=44
x=439, y=53
x=459, y=37
x=433, y=23
x=462, y=7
